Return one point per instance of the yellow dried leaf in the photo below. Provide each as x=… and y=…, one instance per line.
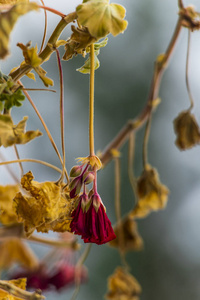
x=14, y=251
x=47, y=208
x=7, y=213
x=7, y=21
x=122, y=286
x=20, y=283
x=127, y=236
x=102, y=18
x=12, y=1
x=152, y=194
x=11, y=134
x=30, y=54
x=187, y=131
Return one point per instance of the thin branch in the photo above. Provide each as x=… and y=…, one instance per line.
x=135, y=124
x=56, y=12
x=91, y=102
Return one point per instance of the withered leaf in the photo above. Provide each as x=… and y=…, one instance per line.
x=20, y=283
x=32, y=59
x=11, y=134
x=7, y=213
x=8, y=19
x=187, y=131
x=47, y=208
x=152, y=194
x=102, y=18
x=14, y=251
x=122, y=286
x=127, y=236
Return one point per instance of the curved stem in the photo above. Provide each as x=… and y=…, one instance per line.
x=54, y=243
x=131, y=153
x=187, y=72
x=18, y=158
x=80, y=262
x=145, y=142
x=45, y=127
x=56, y=12
x=45, y=28
x=31, y=160
x=62, y=125
x=91, y=103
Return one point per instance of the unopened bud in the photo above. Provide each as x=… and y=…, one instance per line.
x=75, y=187
x=88, y=177
x=75, y=171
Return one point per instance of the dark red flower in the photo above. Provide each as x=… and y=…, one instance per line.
x=62, y=275
x=66, y=275
x=91, y=221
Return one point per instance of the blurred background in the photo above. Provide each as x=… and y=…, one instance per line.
x=169, y=265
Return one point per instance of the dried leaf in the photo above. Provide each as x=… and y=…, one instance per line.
x=187, y=131
x=11, y=134
x=32, y=59
x=7, y=21
x=152, y=194
x=102, y=18
x=14, y=251
x=130, y=240
x=122, y=286
x=7, y=213
x=20, y=283
x=85, y=69
x=47, y=208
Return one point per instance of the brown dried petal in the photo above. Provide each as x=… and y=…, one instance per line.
x=130, y=240
x=187, y=131
x=122, y=286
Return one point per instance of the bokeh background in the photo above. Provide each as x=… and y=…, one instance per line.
x=169, y=265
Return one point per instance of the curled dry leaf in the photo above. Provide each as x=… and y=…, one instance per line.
x=152, y=194
x=11, y=134
x=9, y=18
x=131, y=240
x=102, y=18
x=47, y=208
x=187, y=131
x=15, y=251
x=122, y=286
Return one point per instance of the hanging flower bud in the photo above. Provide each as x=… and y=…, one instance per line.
x=90, y=221
x=76, y=171
x=75, y=186
x=88, y=177
x=187, y=131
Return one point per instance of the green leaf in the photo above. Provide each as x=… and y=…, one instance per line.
x=102, y=18
x=85, y=69
x=7, y=21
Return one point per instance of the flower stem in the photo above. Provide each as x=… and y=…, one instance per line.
x=62, y=126
x=91, y=104
x=18, y=158
x=53, y=10
x=45, y=27
x=186, y=73
x=145, y=142
x=131, y=153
